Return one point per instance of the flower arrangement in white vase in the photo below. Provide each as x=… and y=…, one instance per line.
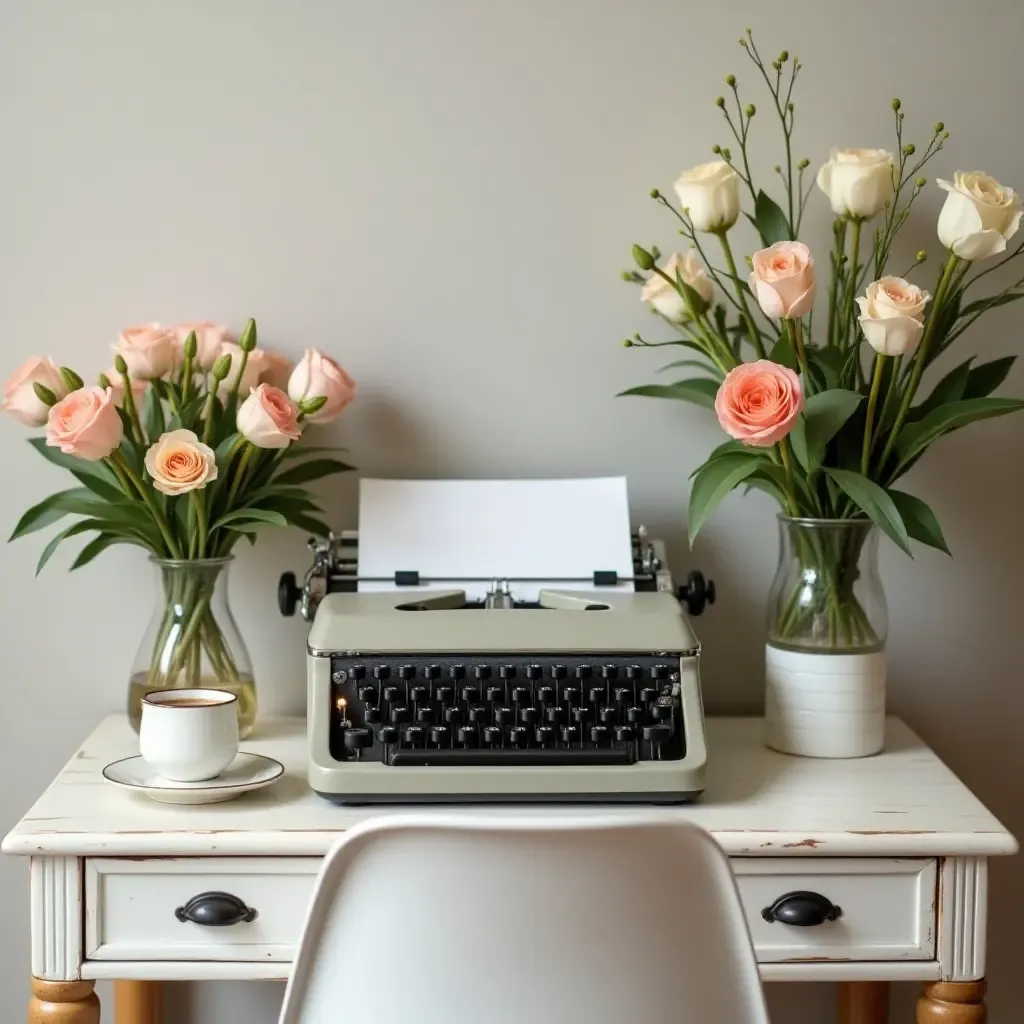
x=826, y=384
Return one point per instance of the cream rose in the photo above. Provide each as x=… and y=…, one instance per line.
x=85, y=424
x=209, y=338
x=783, y=280
x=665, y=297
x=250, y=375
x=892, y=315
x=149, y=350
x=179, y=462
x=268, y=418
x=979, y=215
x=858, y=182
x=20, y=398
x=710, y=193
x=316, y=374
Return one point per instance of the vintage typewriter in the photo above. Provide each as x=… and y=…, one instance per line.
x=422, y=696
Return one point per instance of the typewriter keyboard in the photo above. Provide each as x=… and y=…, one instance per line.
x=514, y=710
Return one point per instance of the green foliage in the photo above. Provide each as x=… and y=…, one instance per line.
x=713, y=481
x=696, y=390
x=874, y=502
x=919, y=520
x=823, y=416
x=770, y=221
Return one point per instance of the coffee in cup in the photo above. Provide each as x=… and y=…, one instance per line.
x=189, y=735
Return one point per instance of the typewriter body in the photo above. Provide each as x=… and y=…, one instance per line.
x=584, y=695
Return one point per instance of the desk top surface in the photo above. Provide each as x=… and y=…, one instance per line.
x=903, y=802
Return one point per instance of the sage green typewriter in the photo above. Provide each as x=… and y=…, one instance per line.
x=423, y=696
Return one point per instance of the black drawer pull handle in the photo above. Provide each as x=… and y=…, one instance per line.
x=216, y=910
x=803, y=909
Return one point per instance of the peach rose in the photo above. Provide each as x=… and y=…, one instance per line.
x=85, y=424
x=209, y=338
x=783, y=280
x=758, y=402
x=117, y=389
x=179, y=462
x=20, y=399
x=148, y=349
x=316, y=374
x=268, y=418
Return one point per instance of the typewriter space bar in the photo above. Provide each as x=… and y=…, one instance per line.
x=529, y=758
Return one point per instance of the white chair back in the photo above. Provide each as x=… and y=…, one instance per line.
x=528, y=920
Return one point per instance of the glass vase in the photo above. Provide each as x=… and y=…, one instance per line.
x=192, y=639
x=827, y=627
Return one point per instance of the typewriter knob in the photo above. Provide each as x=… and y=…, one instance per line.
x=372, y=716
x=492, y=735
x=558, y=671
x=507, y=671
x=414, y=736
x=467, y=736
x=696, y=593
x=387, y=734
x=288, y=594
x=407, y=672
x=545, y=735
x=534, y=671
x=583, y=671
x=457, y=671
x=520, y=695
x=623, y=695
x=453, y=716
x=504, y=716
x=432, y=672
x=599, y=734
x=609, y=672
x=529, y=716
x=624, y=733
x=634, y=672
x=597, y=694
x=608, y=716
x=356, y=739
x=399, y=715
x=381, y=672
x=482, y=671
x=418, y=694
x=439, y=734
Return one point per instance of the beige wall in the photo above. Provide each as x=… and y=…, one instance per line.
x=441, y=193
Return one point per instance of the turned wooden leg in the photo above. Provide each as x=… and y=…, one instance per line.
x=863, y=1002
x=63, y=1002
x=138, y=1002
x=952, y=1002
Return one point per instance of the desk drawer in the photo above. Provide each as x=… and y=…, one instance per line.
x=131, y=907
x=887, y=907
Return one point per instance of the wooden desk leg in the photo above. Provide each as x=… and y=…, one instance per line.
x=863, y=1002
x=952, y=1002
x=63, y=1002
x=138, y=1002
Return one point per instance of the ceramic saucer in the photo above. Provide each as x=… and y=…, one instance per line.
x=246, y=773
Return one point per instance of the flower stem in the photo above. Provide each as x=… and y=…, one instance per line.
x=876, y=383
x=755, y=334
x=851, y=289
x=117, y=457
x=833, y=288
x=787, y=462
x=211, y=397
x=796, y=335
x=240, y=473
x=199, y=510
x=128, y=400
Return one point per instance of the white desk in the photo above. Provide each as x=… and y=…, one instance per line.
x=896, y=841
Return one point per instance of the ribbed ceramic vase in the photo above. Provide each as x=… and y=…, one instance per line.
x=825, y=670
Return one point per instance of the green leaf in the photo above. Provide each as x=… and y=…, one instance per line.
x=188, y=417
x=949, y=389
x=823, y=416
x=919, y=519
x=697, y=365
x=783, y=352
x=254, y=515
x=990, y=303
x=848, y=374
x=314, y=470
x=873, y=500
x=297, y=451
x=96, y=546
x=99, y=470
x=48, y=511
x=698, y=391
x=915, y=437
x=771, y=222
x=767, y=482
x=221, y=453
x=730, y=447
x=152, y=415
x=714, y=480
x=311, y=526
x=831, y=360
x=55, y=542
x=984, y=379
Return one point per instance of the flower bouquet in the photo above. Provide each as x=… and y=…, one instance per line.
x=185, y=446
x=828, y=405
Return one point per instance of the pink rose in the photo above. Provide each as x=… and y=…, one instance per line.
x=117, y=389
x=148, y=349
x=783, y=280
x=316, y=374
x=209, y=338
x=268, y=418
x=758, y=403
x=179, y=462
x=20, y=399
x=86, y=424
x=275, y=369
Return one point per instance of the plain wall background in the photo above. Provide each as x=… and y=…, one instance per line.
x=442, y=193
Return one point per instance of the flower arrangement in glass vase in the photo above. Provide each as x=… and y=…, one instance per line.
x=187, y=444
x=827, y=405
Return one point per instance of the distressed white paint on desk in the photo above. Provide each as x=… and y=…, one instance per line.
x=902, y=803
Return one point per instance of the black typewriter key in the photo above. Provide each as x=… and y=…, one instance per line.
x=624, y=733
x=479, y=714
x=558, y=671
x=492, y=735
x=529, y=716
x=391, y=693
x=507, y=671
x=555, y=715
x=357, y=672
x=657, y=733
x=661, y=713
x=519, y=736
x=495, y=693
x=597, y=694
x=372, y=716
x=647, y=694
x=504, y=716
x=425, y=716
x=432, y=672
x=571, y=694
x=609, y=672
x=457, y=672
x=634, y=672
x=636, y=715
x=418, y=694
x=599, y=734
x=545, y=694
x=387, y=734
x=660, y=672
x=534, y=671
x=407, y=672
x=520, y=694
x=367, y=693
x=544, y=735
x=453, y=716
x=482, y=671
x=414, y=735
x=399, y=715
x=470, y=693
x=468, y=736
x=581, y=715
x=608, y=716
x=583, y=672
x=444, y=694
x=439, y=734
x=623, y=695
x=357, y=739
x=381, y=672
x=570, y=733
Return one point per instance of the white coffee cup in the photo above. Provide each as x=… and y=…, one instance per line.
x=189, y=735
